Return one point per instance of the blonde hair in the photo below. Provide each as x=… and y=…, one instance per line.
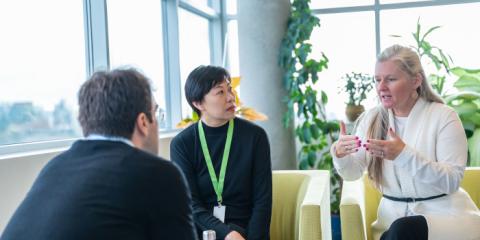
x=409, y=62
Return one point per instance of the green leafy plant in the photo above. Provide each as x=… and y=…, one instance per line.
x=466, y=102
x=313, y=130
x=464, y=97
x=357, y=86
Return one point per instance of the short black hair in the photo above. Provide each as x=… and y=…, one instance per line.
x=110, y=102
x=201, y=80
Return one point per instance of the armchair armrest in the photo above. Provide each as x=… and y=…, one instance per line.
x=315, y=208
x=352, y=210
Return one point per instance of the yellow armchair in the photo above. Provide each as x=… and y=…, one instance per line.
x=359, y=203
x=300, y=205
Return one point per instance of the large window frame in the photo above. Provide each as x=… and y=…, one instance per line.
x=97, y=58
x=377, y=7
x=97, y=54
x=378, y=10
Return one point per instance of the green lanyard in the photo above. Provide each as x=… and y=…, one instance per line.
x=217, y=184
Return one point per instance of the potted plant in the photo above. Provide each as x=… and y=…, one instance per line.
x=357, y=86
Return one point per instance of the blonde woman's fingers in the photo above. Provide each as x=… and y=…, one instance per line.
x=348, y=137
x=343, y=129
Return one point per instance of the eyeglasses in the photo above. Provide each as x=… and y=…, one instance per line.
x=159, y=113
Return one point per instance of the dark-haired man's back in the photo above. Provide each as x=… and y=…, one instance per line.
x=101, y=189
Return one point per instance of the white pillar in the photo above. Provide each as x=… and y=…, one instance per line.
x=261, y=26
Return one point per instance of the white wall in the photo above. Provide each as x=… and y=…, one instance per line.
x=18, y=171
x=16, y=176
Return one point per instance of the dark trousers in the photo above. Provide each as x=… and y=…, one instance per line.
x=407, y=228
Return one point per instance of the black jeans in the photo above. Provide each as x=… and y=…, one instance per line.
x=407, y=228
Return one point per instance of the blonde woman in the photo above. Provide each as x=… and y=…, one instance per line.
x=415, y=151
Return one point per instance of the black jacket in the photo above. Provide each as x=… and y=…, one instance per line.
x=104, y=190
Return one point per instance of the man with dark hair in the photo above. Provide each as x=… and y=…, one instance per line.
x=226, y=161
x=110, y=185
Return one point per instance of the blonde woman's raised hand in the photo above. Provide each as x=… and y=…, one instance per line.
x=387, y=149
x=346, y=144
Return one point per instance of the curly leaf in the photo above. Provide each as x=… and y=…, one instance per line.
x=307, y=136
x=315, y=131
x=312, y=158
x=459, y=71
x=464, y=95
x=184, y=123
x=467, y=82
x=235, y=82
x=252, y=115
x=466, y=109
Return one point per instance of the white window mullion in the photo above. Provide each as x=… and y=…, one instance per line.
x=172, y=63
x=96, y=35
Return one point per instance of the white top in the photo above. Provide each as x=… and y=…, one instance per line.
x=432, y=163
x=400, y=123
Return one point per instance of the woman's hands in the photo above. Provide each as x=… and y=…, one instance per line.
x=346, y=144
x=386, y=149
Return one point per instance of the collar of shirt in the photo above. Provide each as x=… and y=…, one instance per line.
x=109, y=138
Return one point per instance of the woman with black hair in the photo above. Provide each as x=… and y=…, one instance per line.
x=226, y=161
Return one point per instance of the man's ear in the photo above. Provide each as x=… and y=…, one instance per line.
x=141, y=124
x=198, y=105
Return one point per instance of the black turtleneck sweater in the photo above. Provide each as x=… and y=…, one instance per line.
x=247, y=192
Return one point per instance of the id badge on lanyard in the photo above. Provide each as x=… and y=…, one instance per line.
x=219, y=210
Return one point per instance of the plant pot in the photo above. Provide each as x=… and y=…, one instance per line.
x=353, y=111
x=336, y=227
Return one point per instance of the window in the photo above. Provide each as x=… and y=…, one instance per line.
x=194, y=44
x=457, y=35
x=135, y=39
x=231, y=6
x=348, y=36
x=199, y=2
x=232, y=48
x=349, y=47
x=43, y=65
x=317, y=4
x=399, y=1
x=46, y=55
